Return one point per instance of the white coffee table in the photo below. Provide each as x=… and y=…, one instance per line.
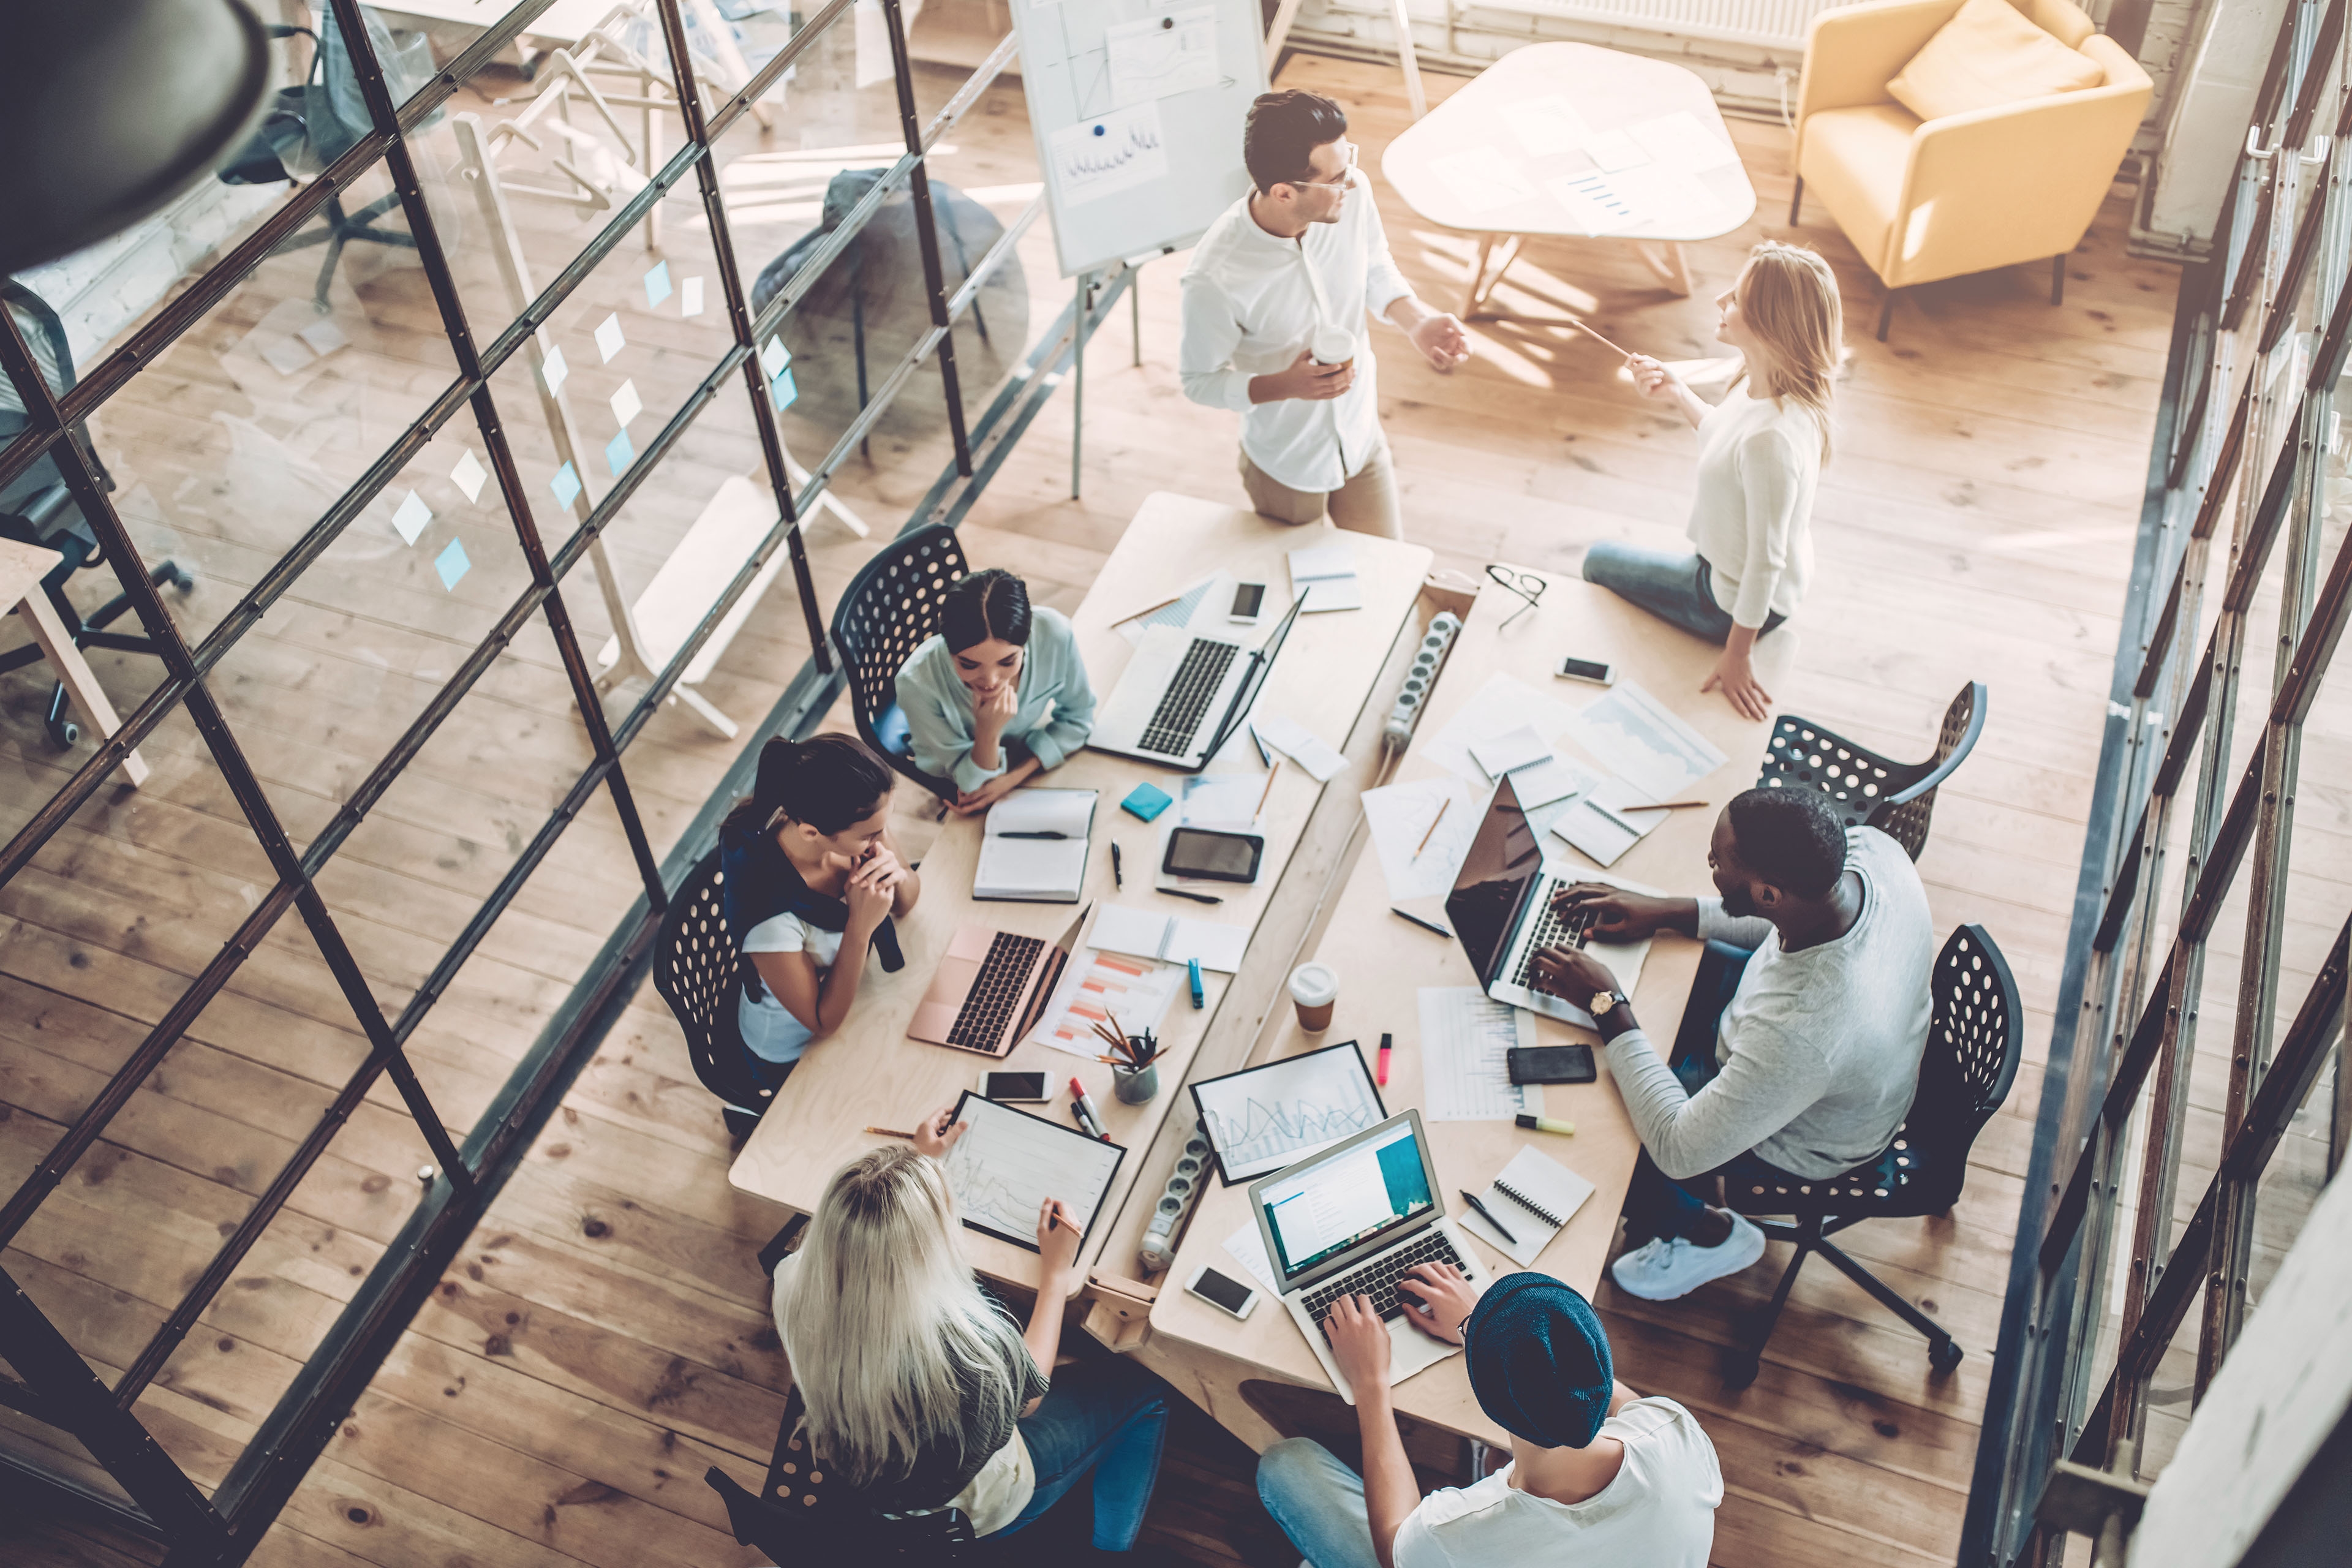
x=1574, y=140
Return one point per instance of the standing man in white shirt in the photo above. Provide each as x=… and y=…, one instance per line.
x=1598, y=1475
x=1304, y=253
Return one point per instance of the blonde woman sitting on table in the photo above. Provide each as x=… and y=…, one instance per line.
x=998, y=694
x=922, y=1393
x=1759, y=457
x=811, y=875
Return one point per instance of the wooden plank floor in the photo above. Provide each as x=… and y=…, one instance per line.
x=605, y=1336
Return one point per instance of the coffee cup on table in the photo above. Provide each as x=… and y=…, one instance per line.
x=1314, y=991
x=1332, y=345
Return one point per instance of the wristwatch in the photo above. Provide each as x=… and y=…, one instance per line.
x=1604, y=1003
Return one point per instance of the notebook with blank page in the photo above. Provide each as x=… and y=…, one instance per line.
x=1535, y=1196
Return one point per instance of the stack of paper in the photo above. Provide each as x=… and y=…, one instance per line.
x=1033, y=847
x=1326, y=574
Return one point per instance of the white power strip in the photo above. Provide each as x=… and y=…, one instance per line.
x=1420, y=680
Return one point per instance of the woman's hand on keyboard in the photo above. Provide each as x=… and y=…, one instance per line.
x=1447, y=1297
x=1359, y=1343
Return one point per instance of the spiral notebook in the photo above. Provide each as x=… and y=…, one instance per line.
x=1534, y=1196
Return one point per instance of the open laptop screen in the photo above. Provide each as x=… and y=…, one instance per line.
x=1329, y=1204
x=1502, y=860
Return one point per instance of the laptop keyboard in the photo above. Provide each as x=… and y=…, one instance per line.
x=1378, y=1278
x=1186, y=701
x=995, y=991
x=1552, y=930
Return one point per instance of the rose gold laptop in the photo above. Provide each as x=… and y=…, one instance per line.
x=991, y=988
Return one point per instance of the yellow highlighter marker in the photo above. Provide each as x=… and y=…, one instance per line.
x=1545, y=1124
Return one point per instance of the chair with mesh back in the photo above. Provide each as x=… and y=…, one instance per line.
x=697, y=965
x=888, y=608
x=1896, y=797
x=1974, y=1038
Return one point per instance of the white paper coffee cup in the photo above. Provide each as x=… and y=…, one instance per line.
x=1314, y=990
x=1332, y=345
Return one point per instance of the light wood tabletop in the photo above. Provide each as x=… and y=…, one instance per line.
x=1573, y=139
x=871, y=1074
x=1382, y=962
x=22, y=567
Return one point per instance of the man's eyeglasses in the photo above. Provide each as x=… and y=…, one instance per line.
x=1526, y=584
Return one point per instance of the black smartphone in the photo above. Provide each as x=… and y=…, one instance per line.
x=1550, y=1064
x=1219, y=857
x=1591, y=669
x=1013, y=1088
x=1249, y=598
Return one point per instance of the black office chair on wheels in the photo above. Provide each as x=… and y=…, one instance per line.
x=697, y=970
x=799, y=1516
x=1896, y=797
x=889, y=607
x=1974, y=1039
x=37, y=508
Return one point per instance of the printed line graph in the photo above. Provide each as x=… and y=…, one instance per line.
x=1277, y=1114
x=1008, y=1162
x=1095, y=158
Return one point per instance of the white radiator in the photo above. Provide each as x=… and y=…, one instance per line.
x=1780, y=24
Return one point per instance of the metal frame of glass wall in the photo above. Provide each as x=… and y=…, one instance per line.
x=54, y=1383
x=2105, y=1272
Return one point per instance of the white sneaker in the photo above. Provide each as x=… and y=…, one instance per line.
x=1661, y=1270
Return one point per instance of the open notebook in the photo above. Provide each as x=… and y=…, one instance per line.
x=1534, y=1196
x=1033, y=847
x=1176, y=938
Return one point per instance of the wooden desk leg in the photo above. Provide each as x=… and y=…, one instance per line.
x=1408, y=59
x=1668, y=262
x=1279, y=34
x=74, y=670
x=1483, y=283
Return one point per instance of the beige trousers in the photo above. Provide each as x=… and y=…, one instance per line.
x=1367, y=503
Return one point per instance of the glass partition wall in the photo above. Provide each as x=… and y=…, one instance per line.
x=2198, y=1094
x=478, y=462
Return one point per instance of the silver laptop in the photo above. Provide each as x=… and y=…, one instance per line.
x=1350, y=1221
x=1182, y=697
x=1501, y=912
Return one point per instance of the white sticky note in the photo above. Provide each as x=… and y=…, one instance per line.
x=323, y=336
x=554, y=371
x=690, y=296
x=626, y=403
x=469, y=475
x=412, y=517
x=609, y=340
x=774, y=357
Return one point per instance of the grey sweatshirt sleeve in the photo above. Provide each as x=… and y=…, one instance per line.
x=1764, y=1087
x=1714, y=925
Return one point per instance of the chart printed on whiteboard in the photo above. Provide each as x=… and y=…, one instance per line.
x=1466, y=1075
x=1641, y=738
x=1008, y=1162
x=1097, y=158
x=1264, y=1118
x=1161, y=55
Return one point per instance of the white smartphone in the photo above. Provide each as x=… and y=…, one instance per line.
x=1013, y=1088
x=1249, y=598
x=1227, y=1295
x=1591, y=669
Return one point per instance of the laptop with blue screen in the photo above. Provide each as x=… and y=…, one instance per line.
x=1350, y=1221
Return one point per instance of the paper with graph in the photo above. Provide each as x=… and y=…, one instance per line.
x=1099, y=158
x=1161, y=55
x=1262, y=1119
x=1643, y=743
x=1466, y=1072
x=1008, y=1162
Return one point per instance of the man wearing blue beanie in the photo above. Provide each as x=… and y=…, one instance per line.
x=1596, y=1474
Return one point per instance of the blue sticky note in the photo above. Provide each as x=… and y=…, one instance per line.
x=783, y=390
x=619, y=454
x=452, y=563
x=566, y=485
x=657, y=283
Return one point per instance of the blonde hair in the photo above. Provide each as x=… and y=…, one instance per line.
x=1789, y=302
x=887, y=1331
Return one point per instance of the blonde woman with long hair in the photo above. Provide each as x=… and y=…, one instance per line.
x=1760, y=452
x=921, y=1391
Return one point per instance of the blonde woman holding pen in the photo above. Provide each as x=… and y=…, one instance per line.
x=1760, y=458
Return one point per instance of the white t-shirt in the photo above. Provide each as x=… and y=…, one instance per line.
x=768, y=1027
x=787, y=932
x=1659, y=1512
x=1751, y=512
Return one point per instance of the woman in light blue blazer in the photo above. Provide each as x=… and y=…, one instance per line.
x=999, y=695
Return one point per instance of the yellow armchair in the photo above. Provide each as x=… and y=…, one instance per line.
x=1923, y=200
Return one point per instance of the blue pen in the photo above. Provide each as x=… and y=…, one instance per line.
x=1200, y=998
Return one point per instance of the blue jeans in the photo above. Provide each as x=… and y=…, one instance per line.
x=1318, y=1502
x=1110, y=1418
x=1656, y=1205
x=1675, y=585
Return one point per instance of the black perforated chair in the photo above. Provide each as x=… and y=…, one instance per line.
x=1974, y=1038
x=800, y=1517
x=697, y=970
x=1897, y=798
x=888, y=610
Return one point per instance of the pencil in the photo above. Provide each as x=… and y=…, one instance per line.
x=1264, y=794
x=1581, y=327
x=1155, y=609
x=1442, y=806
x=890, y=1132
x=1665, y=804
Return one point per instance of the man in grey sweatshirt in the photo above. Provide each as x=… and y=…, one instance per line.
x=1798, y=1051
